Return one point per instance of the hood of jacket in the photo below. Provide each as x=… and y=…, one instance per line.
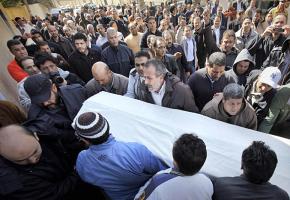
x=244, y=55
x=285, y=45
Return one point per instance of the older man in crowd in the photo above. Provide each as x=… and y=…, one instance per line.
x=118, y=57
x=105, y=80
x=164, y=89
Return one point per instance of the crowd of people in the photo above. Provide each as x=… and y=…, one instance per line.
x=230, y=64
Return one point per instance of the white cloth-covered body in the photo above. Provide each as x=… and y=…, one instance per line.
x=157, y=128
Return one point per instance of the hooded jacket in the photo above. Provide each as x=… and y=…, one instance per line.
x=177, y=94
x=246, y=117
x=241, y=79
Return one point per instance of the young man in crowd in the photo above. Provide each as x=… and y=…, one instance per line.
x=242, y=67
x=231, y=107
x=19, y=51
x=83, y=58
x=206, y=82
x=258, y=165
x=183, y=181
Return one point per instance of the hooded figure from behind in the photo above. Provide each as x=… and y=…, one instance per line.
x=242, y=67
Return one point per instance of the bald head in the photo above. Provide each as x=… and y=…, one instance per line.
x=19, y=146
x=102, y=73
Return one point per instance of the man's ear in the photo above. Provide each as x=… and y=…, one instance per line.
x=54, y=88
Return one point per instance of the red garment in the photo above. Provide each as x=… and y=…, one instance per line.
x=15, y=71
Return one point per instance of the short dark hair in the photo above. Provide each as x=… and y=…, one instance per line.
x=229, y=33
x=13, y=42
x=142, y=54
x=189, y=153
x=23, y=59
x=151, y=18
x=217, y=58
x=40, y=44
x=172, y=8
x=259, y=162
x=80, y=36
x=41, y=57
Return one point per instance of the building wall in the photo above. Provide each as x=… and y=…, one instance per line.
x=7, y=84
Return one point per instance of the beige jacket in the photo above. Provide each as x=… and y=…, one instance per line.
x=245, y=118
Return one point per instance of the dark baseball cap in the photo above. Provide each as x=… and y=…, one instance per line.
x=38, y=88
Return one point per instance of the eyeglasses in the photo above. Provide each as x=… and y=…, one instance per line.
x=138, y=65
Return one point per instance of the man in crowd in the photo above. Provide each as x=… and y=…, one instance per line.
x=133, y=40
x=206, y=82
x=36, y=169
x=19, y=51
x=43, y=46
x=83, y=58
x=267, y=47
x=164, y=89
x=118, y=57
x=177, y=51
x=105, y=80
x=102, y=39
x=258, y=165
x=231, y=107
x=245, y=35
x=168, y=60
x=47, y=64
x=183, y=181
x=152, y=30
x=120, y=168
x=217, y=30
x=136, y=75
x=242, y=67
x=277, y=119
x=189, y=47
x=227, y=47
x=52, y=110
x=64, y=44
x=27, y=64
x=261, y=88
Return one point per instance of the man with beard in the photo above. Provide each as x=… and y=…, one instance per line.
x=206, y=82
x=118, y=57
x=177, y=51
x=167, y=59
x=133, y=40
x=242, y=67
x=83, y=58
x=105, y=80
x=53, y=109
x=227, y=47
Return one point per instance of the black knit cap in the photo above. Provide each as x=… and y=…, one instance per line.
x=91, y=125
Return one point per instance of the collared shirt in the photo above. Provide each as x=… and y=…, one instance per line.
x=120, y=168
x=190, y=50
x=217, y=36
x=101, y=40
x=158, y=96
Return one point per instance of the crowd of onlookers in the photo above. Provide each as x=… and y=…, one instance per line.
x=230, y=64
